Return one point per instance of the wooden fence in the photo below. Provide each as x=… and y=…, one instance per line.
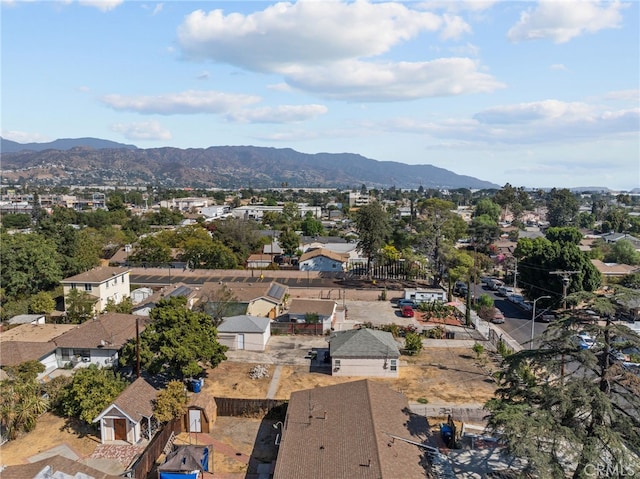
x=307, y=329
x=241, y=407
x=146, y=463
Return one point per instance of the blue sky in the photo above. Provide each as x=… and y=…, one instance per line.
x=537, y=94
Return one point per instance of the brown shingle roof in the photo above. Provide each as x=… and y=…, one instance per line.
x=246, y=292
x=137, y=400
x=57, y=464
x=13, y=353
x=37, y=333
x=322, y=307
x=341, y=258
x=96, y=275
x=111, y=330
x=345, y=431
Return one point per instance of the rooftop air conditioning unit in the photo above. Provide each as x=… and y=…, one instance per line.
x=86, y=359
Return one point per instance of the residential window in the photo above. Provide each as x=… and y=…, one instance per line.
x=393, y=365
x=73, y=286
x=87, y=287
x=337, y=363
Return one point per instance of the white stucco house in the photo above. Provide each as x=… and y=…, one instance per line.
x=364, y=352
x=103, y=283
x=246, y=332
x=324, y=308
x=323, y=260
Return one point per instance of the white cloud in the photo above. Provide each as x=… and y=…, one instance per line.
x=454, y=27
x=303, y=33
x=380, y=82
x=148, y=130
x=559, y=67
x=561, y=21
x=24, y=137
x=280, y=114
x=158, y=8
x=188, y=102
x=103, y=5
x=203, y=75
x=631, y=96
x=528, y=112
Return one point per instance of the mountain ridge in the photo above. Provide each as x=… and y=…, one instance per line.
x=98, y=161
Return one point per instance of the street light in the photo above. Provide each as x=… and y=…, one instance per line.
x=533, y=317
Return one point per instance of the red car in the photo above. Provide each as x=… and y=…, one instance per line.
x=407, y=312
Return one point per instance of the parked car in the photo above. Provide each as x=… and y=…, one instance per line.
x=494, y=284
x=584, y=340
x=498, y=317
x=407, y=312
x=547, y=317
x=505, y=291
x=407, y=302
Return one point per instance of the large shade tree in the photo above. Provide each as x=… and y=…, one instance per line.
x=178, y=341
x=372, y=223
x=569, y=410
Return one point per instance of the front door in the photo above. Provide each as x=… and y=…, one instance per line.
x=120, y=429
x=240, y=341
x=194, y=420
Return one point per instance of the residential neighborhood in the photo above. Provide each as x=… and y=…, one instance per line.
x=275, y=342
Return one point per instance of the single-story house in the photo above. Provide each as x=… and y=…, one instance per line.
x=358, y=429
x=255, y=299
x=614, y=269
x=55, y=467
x=128, y=417
x=201, y=414
x=426, y=295
x=27, y=319
x=172, y=290
x=364, y=352
x=259, y=261
x=245, y=332
x=325, y=309
x=322, y=259
x=97, y=341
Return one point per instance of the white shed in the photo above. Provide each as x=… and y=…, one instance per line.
x=245, y=332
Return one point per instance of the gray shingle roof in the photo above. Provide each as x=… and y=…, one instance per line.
x=244, y=324
x=363, y=343
x=96, y=275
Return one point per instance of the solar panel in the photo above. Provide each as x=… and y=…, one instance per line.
x=180, y=291
x=276, y=291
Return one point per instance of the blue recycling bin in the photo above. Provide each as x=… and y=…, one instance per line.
x=196, y=385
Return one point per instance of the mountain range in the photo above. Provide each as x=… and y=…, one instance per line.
x=92, y=161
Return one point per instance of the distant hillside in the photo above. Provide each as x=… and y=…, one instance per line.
x=8, y=146
x=221, y=167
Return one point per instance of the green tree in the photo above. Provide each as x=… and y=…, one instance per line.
x=570, y=411
x=30, y=263
x=289, y=241
x=42, y=303
x=79, y=306
x=18, y=221
x=564, y=235
x=151, y=250
x=562, y=208
x=178, y=341
x=484, y=230
x=208, y=254
x=412, y=344
x=487, y=207
x=311, y=226
x=171, y=402
x=124, y=307
x=623, y=251
x=372, y=224
x=219, y=304
x=89, y=392
x=21, y=400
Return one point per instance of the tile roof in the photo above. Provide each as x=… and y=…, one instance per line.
x=244, y=324
x=96, y=275
x=58, y=464
x=111, y=331
x=322, y=307
x=363, y=343
x=346, y=431
x=13, y=353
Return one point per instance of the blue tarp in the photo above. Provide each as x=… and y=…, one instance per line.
x=178, y=475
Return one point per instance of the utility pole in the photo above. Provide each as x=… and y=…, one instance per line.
x=566, y=280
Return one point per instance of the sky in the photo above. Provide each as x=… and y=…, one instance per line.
x=535, y=94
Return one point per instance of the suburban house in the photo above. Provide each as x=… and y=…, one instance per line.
x=129, y=417
x=325, y=309
x=259, y=261
x=245, y=332
x=55, y=467
x=615, y=237
x=31, y=342
x=359, y=429
x=104, y=283
x=173, y=290
x=97, y=341
x=186, y=462
x=322, y=259
x=426, y=295
x=364, y=352
x=255, y=299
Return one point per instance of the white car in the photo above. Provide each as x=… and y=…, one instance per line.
x=505, y=291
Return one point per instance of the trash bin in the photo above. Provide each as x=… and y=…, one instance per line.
x=196, y=385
